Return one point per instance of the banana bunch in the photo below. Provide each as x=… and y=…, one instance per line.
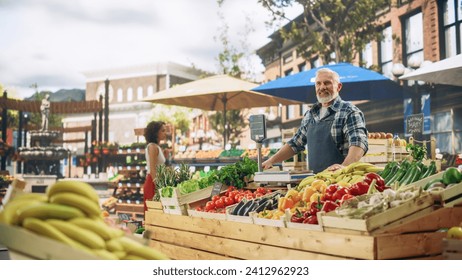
x=345, y=177
x=69, y=212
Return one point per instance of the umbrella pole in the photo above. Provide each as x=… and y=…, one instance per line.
x=225, y=129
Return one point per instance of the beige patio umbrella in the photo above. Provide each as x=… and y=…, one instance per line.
x=217, y=93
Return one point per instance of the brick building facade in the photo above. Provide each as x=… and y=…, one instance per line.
x=429, y=30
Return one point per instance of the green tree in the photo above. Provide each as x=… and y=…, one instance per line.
x=178, y=116
x=333, y=29
x=232, y=61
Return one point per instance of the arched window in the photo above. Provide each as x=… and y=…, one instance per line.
x=139, y=93
x=129, y=94
x=120, y=95
x=150, y=90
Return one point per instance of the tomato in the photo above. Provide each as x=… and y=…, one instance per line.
x=219, y=203
x=238, y=198
x=249, y=196
x=210, y=205
x=199, y=208
x=233, y=194
x=215, y=197
x=258, y=194
x=261, y=190
x=229, y=201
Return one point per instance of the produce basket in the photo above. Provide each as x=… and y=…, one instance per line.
x=268, y=222
x=27, y=245
x=447, y=197
x=289, y=224
x=452, y=249
x=178, y=203
x=410, y=207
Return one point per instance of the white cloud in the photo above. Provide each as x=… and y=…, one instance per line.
x=51, y=42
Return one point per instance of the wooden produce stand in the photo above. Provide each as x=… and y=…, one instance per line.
x=416, y=236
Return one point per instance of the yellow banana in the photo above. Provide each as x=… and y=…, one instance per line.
x=374, y=169
x=356, y=179
x=361, y=165
x=113, y=245
x=81, y=202
x=45, y=229
x=45, y=211
x=84, y=236
x=99, y=228
x=358, y=172
x=120, y=254
x=105, y=254
x=76, y=187
x=134, y=248
x=31, y=196
x=10, y=211
x=132, y=258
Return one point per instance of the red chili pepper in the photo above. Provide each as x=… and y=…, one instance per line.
x=329, y=206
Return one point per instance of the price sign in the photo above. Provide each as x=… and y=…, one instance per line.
x=124, y=217
x=414, y=124
x=216, y=189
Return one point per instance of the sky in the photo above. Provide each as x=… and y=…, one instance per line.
x=53, y=42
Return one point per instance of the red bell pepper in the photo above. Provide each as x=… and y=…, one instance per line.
x=345, y=197
x=297, y=217
x=339, y=194
x=313, y=220
x=332, y=188
x=379, y=181
x=359, y=188
x=315, y=207
x=329, y=206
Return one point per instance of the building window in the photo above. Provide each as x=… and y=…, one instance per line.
x=302, y=67
x=287, y=58
x=150, y=90
x=288, y=72
x=366, y=56
x=120, y=95
x=139, y=93
x=290, y=112
x=452, y=26
x=315, y=62
x=413, y=37
x=129, y=94
x=386, y=52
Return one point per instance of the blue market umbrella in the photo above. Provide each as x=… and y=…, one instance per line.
x=358, y=84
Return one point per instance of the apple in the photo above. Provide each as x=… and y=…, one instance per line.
x=389, y=135
x=455, y=233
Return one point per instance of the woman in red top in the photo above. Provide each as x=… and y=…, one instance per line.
x=154, y=133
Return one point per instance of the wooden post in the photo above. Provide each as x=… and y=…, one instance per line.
x=4, y=128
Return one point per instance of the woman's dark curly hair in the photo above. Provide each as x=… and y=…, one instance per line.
x=152, y=130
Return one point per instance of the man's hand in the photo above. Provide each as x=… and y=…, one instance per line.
x=334, y=167
x=267, y=164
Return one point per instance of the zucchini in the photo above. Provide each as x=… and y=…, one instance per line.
x=431, y=183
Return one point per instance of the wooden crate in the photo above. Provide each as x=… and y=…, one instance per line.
x=135, y=210
x=178, y=203
x=447, y=197
x=155, y=206
x=192, y=238
x=452, y=249
x=412, y=206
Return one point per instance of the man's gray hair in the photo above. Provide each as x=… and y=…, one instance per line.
x=334, y=74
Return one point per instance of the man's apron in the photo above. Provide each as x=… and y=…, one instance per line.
x=322, y=151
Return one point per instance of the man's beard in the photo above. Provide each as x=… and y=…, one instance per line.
x=326, y=99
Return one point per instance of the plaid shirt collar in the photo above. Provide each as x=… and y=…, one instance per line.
x=335, y=106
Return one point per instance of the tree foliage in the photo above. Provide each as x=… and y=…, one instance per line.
x=176, y=115
x=326, y=27
x=236, y=124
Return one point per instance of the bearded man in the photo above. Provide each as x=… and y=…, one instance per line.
x=332, y=130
